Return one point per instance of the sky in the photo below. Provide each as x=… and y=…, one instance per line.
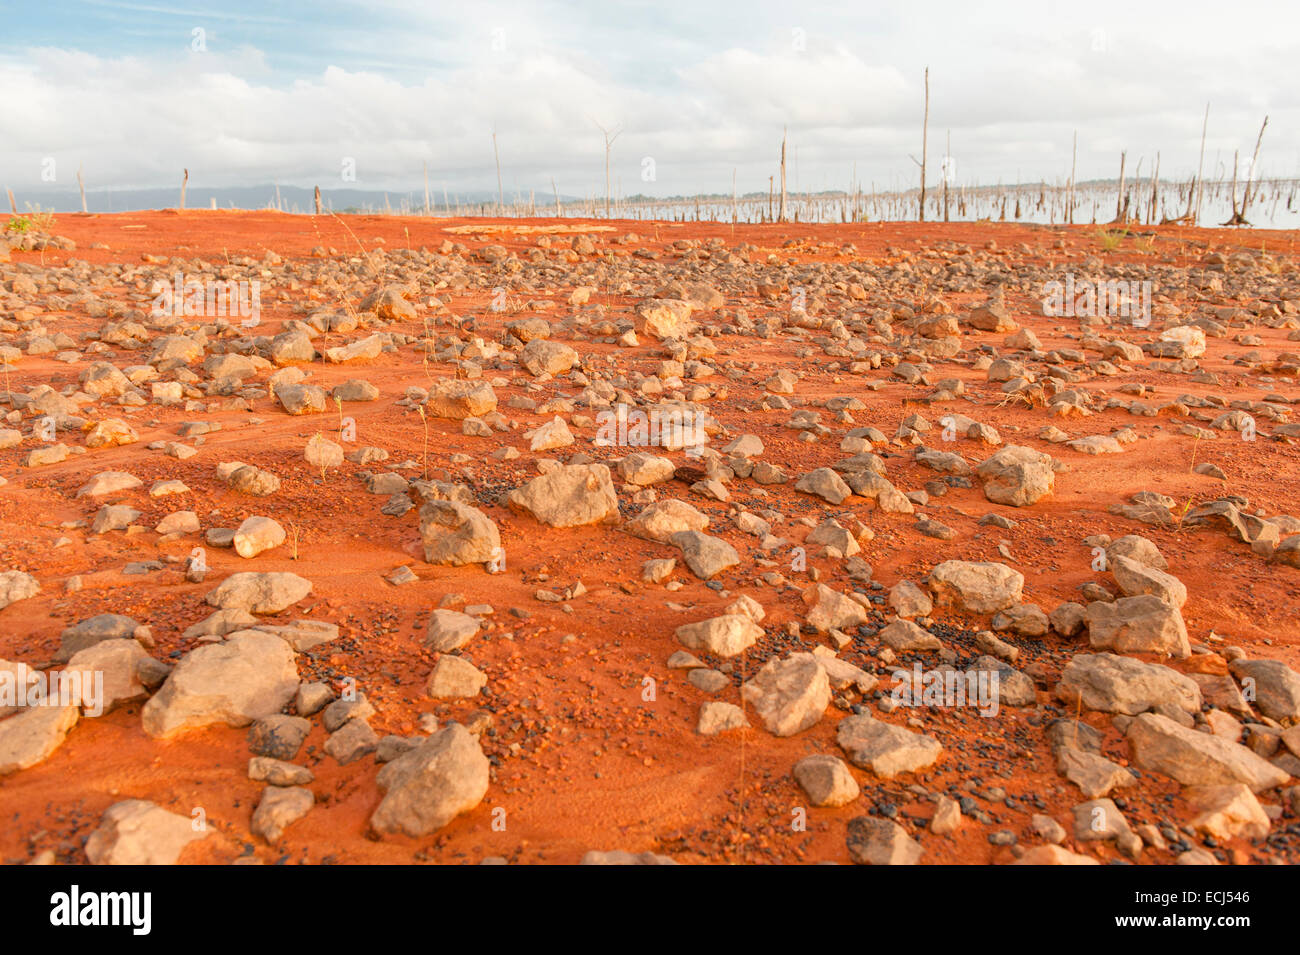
x=692, y=93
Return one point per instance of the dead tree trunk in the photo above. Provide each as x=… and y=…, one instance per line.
x=609, y=142
x=501, y=196
x=947, y=172
x=185, y=181
x=925, y=139
x=781, y=216
x=735, y=212
x=1155, y=187
x=1119, y=200
x=1232, y=195
x=1239, y=215
x=1200, y=165
x=1197, y=186
x=318, y=209
x=1074, y=161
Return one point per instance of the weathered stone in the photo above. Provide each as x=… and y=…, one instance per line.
x=977, y=587
x=884, y=748
x=1275, y=687
x=619, y=857
x=279, y=808
x=93, y=630
x=363, y=349
x=457, y=534
x=457, y=399
x=541, y=357
x=351, y=741
x=138, y=832
x=875, y=841
x=277, y=772
x=906, y=637
x=1227, y=812
x=108, y=482
x=1136, y=548
x=302, y=635
x=1142, y=624
x=826, y=780
x=1027, y=620
x=1197, y=759
x=1135, y=578
x=251, y=675
x=723, y=636
x=430, y=785
x=1068, y=619
x=117, y=664
x=909, y=600
x=947, y=816
x=301, y=399
x=1099, y=820
x=550, y=435
x=321, y=452
x=247, y=479
x=257, y=535
x=789, y=695
x=661, y=520
x=1017, y=476
x=1053, y=855
x=278, y=736
x=645, y=469
x=826, y=484
x=259, y=593
x=113, y=517
x=111, y=432
x=706, y=556
x=831, y=610
x=718, y=717
x=17, y=585
x=664, y=318
x=568, y=496
x=449, y=630
x=454, y=678
x=33, y=735
x=1117, y=684
x=1094, y=775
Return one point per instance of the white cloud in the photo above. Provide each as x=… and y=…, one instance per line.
x=1012, y=97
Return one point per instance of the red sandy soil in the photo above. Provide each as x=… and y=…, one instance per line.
x=583, y=762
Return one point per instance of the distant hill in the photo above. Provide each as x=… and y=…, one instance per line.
x=288, y=199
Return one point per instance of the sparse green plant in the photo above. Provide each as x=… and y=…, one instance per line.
x=41, y=219
x=323, y=459
x=1145, y=244
x=424, y=419
x=1111, y=238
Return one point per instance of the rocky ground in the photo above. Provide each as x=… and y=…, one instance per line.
x=365, y=583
